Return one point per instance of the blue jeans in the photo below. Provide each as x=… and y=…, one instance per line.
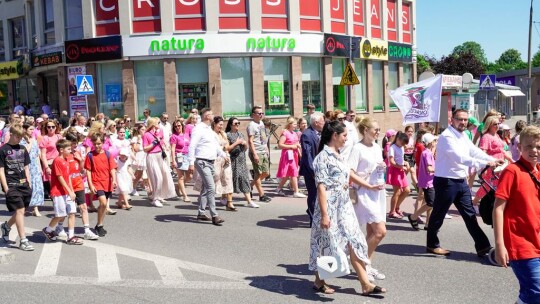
x=528, y=274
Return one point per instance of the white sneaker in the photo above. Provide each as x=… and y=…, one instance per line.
x=90, y=236
x=447, y=216
x=375, y=273
x=299, y=195
x=134, y=193
x=60, y=231
x=252, y=205
x=280, y=192
x=371, y=278
x=157, y=203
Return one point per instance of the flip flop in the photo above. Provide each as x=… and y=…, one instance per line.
x=414, y=223
x=324, y=289
x=375, y=291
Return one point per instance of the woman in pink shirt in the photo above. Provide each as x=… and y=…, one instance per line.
x=47, y=146
x=179, y=158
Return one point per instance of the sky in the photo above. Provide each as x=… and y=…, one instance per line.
x=497, y=25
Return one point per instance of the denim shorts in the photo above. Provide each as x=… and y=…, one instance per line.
x=528, y=275
x=182, y=162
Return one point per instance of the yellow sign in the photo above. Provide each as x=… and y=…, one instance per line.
x=349, y=76
x=374, y=49
x=8, y=70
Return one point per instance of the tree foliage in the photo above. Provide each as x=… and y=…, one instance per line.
x=536, y=59
x=422, y=65
x=471, y=47
x=511, y=60
x=459, y=64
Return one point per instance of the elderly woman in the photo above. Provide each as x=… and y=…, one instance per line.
x=334, y=215
x=159, y=172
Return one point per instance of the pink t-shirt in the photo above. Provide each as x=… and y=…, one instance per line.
x=148, y=138
x=179, y=141
x=36, y=133
x=493, y=145
x=188, y=130
x=425, y=179
x=49, y=144
x=88, y=143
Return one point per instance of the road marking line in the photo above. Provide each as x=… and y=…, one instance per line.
x=49, y=259
x=107, y=265
x=169, y=272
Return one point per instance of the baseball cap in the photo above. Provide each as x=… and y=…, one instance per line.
x=504, y=127
x=390, y=132
x=428, y=138
x=39, y=120
x=125, y=152
x=474, y=121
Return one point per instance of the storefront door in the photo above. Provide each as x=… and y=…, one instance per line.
x=51, y=94
x=192, y=96
x=340, y=97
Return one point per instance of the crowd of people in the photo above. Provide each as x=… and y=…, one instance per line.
x=345, y=171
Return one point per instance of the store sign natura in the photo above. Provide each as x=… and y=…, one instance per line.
x=221, y=44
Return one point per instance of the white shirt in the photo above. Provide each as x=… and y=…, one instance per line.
x=82, y=130
x=352, y=139
x=166, y=128
x=204, y=144
x=456, y=154
x=398, y=153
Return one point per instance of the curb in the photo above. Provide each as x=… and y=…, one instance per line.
x=6, y=256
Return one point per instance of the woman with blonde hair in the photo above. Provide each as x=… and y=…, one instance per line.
x=179, y=153
x=159, y=172
x=139, y=164
x=480, y=129
x=289, y=143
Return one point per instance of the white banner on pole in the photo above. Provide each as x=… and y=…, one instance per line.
x=419, y=101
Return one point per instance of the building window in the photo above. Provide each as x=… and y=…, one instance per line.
x=192, y=84
x=32, y=13
x=150, y=87
x=376, y=18
x=236, y=86
x=360, y=90
x=311, y=82
x=337, y=16
x=358, y=17
x=18, y=40
x=2, y=46
x=407, y=73
x=48, y=22
x=393, y=82
x=189, y=16
x=110, y=88
x=339, y=91
x=276, y=85
x=107, y=18
x=274, y=15
x=310, y=15
x=73, y=17
x=378, y=86
x=146, y=17
x=233, y=15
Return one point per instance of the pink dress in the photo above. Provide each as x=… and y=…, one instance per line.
x=49, y=144
x=288, y=162
x=494, y=146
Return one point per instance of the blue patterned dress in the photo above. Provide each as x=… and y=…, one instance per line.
x=35, y=175
x=331, y=171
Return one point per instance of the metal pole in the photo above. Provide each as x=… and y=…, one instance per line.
x=349, y=87
x=529, y=68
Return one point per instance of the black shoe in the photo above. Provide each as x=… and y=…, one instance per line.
x=483, y=252
x=265, y=198
x=100, y=231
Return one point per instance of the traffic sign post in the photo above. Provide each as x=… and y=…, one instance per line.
x=349, y=76
x=487, y=82
x=85, y=85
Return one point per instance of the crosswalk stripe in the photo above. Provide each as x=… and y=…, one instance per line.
x=49, y=259
x=107, y=265
x=169, y=272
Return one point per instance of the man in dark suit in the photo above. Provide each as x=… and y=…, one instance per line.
x=310, y=143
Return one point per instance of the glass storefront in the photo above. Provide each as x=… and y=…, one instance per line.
x=26, y=92
x=340, y=92
x=150, y=81
x=110, y=100
x=276, y=85
x=393, y=82
x=360, y=91
x=407, y=73
x=311, y=83
x=377, y=86
x=50, y=85
x=192, y=84
x=236, y=87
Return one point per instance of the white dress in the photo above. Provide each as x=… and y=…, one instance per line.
x=123, y=178
x=371, y=206
x=140, y=155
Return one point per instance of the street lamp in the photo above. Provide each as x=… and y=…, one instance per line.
x=529, y=68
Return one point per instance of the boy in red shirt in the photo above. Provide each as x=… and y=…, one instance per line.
x=101, y=173
x=62, y=195
x=516, y=217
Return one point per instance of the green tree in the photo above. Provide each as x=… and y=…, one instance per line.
x=510, y=60
x=422, y=64
x=473, y=48
x=459, y=65
x=536, y=59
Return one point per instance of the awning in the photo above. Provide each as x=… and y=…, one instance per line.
x=511, y=93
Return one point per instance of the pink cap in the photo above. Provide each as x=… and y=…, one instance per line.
x=390, y=132
x=39, y=119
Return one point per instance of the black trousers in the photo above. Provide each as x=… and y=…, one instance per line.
x=311, y=197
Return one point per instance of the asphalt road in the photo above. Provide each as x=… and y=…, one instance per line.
x=163, y=255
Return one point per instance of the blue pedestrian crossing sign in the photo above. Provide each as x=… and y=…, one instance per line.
x=85, y=84
x=487, y=82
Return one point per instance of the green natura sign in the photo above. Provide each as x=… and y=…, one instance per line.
x=176, y=44
x=271, y=43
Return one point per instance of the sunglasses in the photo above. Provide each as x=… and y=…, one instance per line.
x=236, y=123
x=341, y=118
x=259, y=113
x=128, y=120
x=177, y=126
x=51, y=127
x=112, y=126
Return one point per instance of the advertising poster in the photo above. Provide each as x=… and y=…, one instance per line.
x=76, y=103
x=113, y=93
x=275, y=93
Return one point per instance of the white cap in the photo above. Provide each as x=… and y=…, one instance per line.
x=428, y=138
x=125, y=151
x=504, y=127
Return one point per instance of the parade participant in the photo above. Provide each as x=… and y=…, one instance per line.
x=302, y=126
x=289, y=143
x=146, y=114
x=514, y=141
x=480, y=130
x=516, y=217
x=36, y=181
x=166, y=128
x=16, y=185
x=397, y=174
x=388, y=138
x=13, y=119
x=409, y=154
x=81, y=125
x=222, y=166
x=179, y=159
x=419, y=147
x=258, y=151
x=366, y=160
x=203, y=151
x=124, y=177
x=334, y=214
x=139, y=164
x=49, y=137
x=36, y=134
x=455, y=154
x=352, y=131
x=310, y=110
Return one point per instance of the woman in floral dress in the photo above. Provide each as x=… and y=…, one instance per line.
x=35, y=169
x=334, y=215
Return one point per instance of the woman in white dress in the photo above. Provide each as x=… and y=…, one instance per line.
x=366, y=160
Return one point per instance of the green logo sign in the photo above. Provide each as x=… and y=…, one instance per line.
x=175, y=44
x=399, y=52
x=271, y=43
x=275, y=93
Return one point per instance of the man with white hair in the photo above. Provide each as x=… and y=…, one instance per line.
x=310, y=142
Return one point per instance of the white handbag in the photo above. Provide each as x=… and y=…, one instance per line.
x=333, y=266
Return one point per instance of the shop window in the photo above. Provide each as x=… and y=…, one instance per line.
x=339, y=91
x=310, y=15
x=274, y=15
x=233, y=15
x=107, y=17
x=377, y=86
x=150, y=81
x=2, y=45
x=146, y=16
x=407, y=73
x=393, y=82
x=192, y=84
x=48, y=22
x=50, y=90
x=32, y=16
x=236, y=92
x=26, y=92
x=189, y=16
x=311, y=82
x=360, y=90
x=276, y=85
x=358, y=17
x=18, y=40
x=73, y=18
x=111, y=100
x=337, y=16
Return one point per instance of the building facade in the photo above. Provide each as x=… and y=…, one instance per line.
x=175, y=55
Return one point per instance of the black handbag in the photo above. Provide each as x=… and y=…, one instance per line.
x=163, y=153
